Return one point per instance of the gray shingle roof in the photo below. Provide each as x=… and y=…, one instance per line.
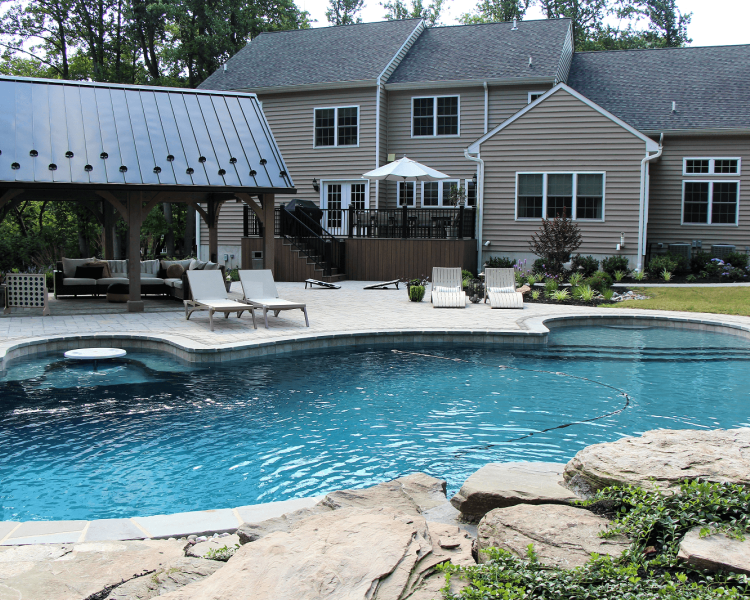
x=308, y=56
x=710, y=86
x=487, y=51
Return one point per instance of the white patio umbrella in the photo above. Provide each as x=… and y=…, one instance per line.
x=405, y=169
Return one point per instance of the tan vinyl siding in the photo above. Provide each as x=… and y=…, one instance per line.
x=566, y=135
x=506, y=101
x=290, y=117
x=665, y=205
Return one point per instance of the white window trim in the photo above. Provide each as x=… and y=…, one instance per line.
x=435, y=116
x=414, y=195
x=575, y=194
x=466, y=191
x=440, y=182
x=323, y=201
x=336, y=126
x=539, y=92
x=711, y=182
x=711, y=166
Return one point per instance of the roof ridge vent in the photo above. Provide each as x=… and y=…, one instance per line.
x=515, y=24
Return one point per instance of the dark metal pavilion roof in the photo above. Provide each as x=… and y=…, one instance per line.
x=93, y=135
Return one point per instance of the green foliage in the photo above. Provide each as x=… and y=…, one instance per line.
x=576, y=278
x=465, y=274
x=344, y=12
x=737, y=259
x=585, y=293
x=615, y=263
x=560, y=295
x=649, y=518
x=608, y=293
x=234, y=274
x=666, y=275
x=587, y=265
x=501, y=262
x=416, y=293
x=538, y=267
x=398, y=9
x=535, y=295
x=671, y=262
x=620, y=275
x=550, y=286
x=555, y=241
x=533, y=278
x=599, y=281
x=691, y=278
x=222, y=554
x=496, y=11
x=639, y=275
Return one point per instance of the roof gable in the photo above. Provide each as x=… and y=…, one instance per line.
x=651, y=145
x=348, y=53
x=68, y=132
x=489, y=51
x=709, y=86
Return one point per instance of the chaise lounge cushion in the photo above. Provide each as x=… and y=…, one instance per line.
x=502, y=290
x=70, y=265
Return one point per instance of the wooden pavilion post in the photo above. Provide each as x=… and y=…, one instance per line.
x=135, y=217
x=212, y=209
x=268, y=204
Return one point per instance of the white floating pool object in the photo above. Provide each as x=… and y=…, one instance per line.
x=95, y=353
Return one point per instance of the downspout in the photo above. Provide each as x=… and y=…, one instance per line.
x=480, y=204
x=377, y=139
x=486, y=107
x=644, y=198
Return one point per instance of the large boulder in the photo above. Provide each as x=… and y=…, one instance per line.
x=499, y=485
x=563, y=536
x=664, y=458
x=347, y=554
x=715, y=552
x=75, y=571
x=175, y=575
x=412, y=494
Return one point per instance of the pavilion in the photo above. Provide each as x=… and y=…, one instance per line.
x=124, y=149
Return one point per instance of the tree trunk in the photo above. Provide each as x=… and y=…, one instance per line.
x=189, y=241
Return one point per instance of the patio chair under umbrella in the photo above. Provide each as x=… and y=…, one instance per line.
x=405, y=169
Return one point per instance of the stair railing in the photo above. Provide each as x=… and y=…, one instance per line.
x=317, y=244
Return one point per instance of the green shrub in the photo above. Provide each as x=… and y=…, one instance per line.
x=599, y=281
x=587, y=265
x=639, y=275
x=671, y=262
x=550, y=286
x=416, y=293
x=234, y=274
x=538, y=266
x=576, y=278
x=535, y=295
x=608, y=293
x=737, y=259
x=666, y=275
x=620, y=275
x=585, y=293
x=615, y=263
x=698, y=261
x=501, y=262
x=222, y=554
x=560, y=295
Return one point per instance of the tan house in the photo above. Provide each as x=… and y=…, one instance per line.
x=643, y=148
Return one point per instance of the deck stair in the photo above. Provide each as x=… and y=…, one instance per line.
x=321, y=251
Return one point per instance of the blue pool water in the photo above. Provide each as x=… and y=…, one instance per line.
x=153, y=436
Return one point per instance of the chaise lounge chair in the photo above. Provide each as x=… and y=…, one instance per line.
x=260, y=292
x=209, y=293
x=447, y=288
x=500, y=288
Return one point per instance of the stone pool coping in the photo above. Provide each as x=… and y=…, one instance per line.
x=534, y=330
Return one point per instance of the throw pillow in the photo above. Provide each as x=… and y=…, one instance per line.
x=196, y=265
x=89, y=272
x=106, y=273
x=211, y=266
x=175, y=271
x=502, y=290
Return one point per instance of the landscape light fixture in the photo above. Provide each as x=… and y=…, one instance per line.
x=315, y=184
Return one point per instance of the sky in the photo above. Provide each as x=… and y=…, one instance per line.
x=714, y=23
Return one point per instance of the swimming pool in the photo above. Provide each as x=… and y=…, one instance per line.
x=154, y=436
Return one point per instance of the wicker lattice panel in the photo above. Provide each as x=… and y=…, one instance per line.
x=26, y=290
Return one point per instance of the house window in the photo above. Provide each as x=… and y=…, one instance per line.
x=435, y=116
x=710, y=202
x=580, y=196
x=534, y=96
x=711, y=166
x=406, y=193
x=471, y=193
x=437, y=193
x=337, y=126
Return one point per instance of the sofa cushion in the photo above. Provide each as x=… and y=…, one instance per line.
x=86, y=272
x=175, y=271
x=70, y=264
x=150, y=267
x=79, y=281
x=196, y=265
x=173, y=283
x=149, y=280
x=118, y=266
x=211, y=266
x=105, y=281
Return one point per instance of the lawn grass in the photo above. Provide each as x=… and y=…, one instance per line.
x=721, y=300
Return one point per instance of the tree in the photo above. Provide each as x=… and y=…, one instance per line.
x=587, y=16
x=397, y=10
x=344, y=12
x=496, y=11
x=555, y=241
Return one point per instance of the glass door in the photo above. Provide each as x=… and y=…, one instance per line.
x=337, y=198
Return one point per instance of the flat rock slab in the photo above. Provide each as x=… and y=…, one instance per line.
x=174, y=576
x=664, y=458
x=76, y=571
x=499, y=485
x=715, y=552
x=200, y=549
x=563, y=536
x=349, y=554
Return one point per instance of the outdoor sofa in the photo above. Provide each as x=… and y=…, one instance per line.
x=77, y=276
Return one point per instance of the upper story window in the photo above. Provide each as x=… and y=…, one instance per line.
x=337, y=126
x=711, y=166
x=435, y=116
x=535, y=96
x=580, y=196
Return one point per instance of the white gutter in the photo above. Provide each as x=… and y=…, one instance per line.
x=480, y=204
x=644, y=198
x=486, y=107
x=377, y=139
